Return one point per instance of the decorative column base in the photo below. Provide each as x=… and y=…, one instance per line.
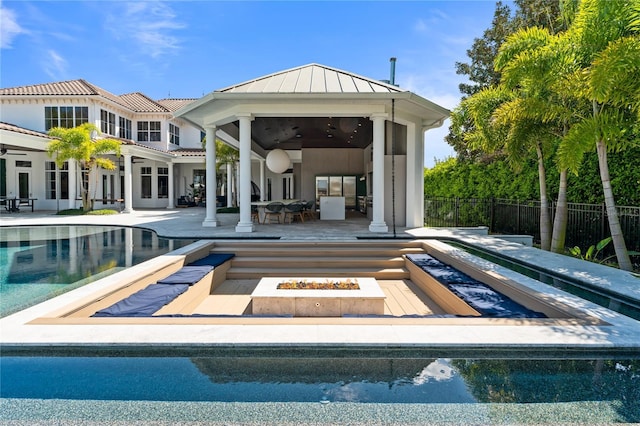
x=212, y=223
x=245, y=227
x=126, y=210
x=378, y=227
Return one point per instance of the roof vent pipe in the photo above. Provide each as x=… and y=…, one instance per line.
x=392, y=78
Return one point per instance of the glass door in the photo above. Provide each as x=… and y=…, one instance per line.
x=24, y=184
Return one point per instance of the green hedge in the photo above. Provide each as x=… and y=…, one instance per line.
x=453, y=178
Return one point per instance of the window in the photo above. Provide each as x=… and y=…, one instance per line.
x=149, y=131
x=22, y=163
x=174, y=134
x=51, y=181
x=125, y=128
x=163, y=182
x=107, y=122
x=66, y=117
x=145, y=182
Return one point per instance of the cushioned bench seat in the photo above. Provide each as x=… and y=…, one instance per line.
x=144, y=302
x=155, y=296
x=481, y=297
x=187, y=275
x=214, y=259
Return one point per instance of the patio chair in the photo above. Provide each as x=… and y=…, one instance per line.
x=255, y=214
x=309, y=211
x=273, y=210
x=292, y=211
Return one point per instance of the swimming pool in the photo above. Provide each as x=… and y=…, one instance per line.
x=37, y=263
x=309, y=388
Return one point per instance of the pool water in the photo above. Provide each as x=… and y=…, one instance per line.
x=498, y=388
x=37, y=263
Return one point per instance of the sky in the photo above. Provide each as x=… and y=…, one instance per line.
x=186, y=49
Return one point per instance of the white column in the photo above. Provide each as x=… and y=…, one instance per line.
x=414, y=217
x=244, y=188
x=378, y=224
x=229, y=185
x=170, y=190
x=211, y=184
x=262, y=181
x=128, y=185
x=73, y=183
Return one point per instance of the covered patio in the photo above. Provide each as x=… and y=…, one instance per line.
x=330, y=123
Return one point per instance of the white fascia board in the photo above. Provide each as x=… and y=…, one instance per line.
x=23, y=140
x=146, y=153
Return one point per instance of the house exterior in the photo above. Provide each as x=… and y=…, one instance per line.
x=337, y=129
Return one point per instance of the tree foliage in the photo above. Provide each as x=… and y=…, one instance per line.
x=90, y=153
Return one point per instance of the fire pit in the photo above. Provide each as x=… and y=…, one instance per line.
x=318, y=297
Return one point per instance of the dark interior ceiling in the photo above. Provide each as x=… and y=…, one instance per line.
x=311, y=132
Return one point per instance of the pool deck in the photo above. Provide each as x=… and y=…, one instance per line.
x=621, y=335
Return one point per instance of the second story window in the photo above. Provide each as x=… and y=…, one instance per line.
x=65, y=116
x=107, y=122
x=125, y=128
x=174, y=134
x=149, y=131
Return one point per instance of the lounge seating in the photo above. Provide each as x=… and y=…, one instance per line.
x=481, y=297
x=145, y=302
x=255, y=214
x=214, y=259
x=154, y=297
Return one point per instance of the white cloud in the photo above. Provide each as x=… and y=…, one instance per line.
x=9, y=27
x=55, y=65
x=149, y=25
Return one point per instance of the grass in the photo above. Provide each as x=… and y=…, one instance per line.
x=80, y=212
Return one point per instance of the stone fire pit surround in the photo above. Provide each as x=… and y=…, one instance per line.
x=268, y=299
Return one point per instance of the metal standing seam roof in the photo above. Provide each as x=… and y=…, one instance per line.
x=312, y=78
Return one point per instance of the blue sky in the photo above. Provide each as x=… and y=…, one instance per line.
x=185, y=49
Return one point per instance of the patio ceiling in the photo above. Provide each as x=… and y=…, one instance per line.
x=294, y=133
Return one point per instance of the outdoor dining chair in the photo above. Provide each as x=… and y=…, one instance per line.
x=273, y=210
x=293, y=210
x=308, y=211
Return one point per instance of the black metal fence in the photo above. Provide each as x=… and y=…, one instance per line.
x=587, y=223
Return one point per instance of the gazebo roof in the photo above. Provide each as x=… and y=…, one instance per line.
x=312, y=78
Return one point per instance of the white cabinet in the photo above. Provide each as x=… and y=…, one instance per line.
x=331, y=208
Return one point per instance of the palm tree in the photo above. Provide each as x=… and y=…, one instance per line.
x=77, y=144
x=530, y=64
x=604, y=43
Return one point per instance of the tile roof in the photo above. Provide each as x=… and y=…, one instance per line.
x=175, y=104
x=189, y=152
x=142, y=103
x=136, y=101
x=312, y=78
x=13, y=128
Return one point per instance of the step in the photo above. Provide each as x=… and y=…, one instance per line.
x=274, y=251
x=378, y=273
x=317, y=262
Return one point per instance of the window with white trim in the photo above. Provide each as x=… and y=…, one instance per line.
x=174, y=134
x=125, y=128
x=145, y=182
x=149, y=131
x=107, y=122
x=65, y=116
x=163, y=182
x=52, y=174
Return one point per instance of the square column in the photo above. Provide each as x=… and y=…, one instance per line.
x=378, y=224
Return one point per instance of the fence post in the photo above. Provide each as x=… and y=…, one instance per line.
x=517, y=216
x=492, y=214
x=457, y=211
x=603, y=220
